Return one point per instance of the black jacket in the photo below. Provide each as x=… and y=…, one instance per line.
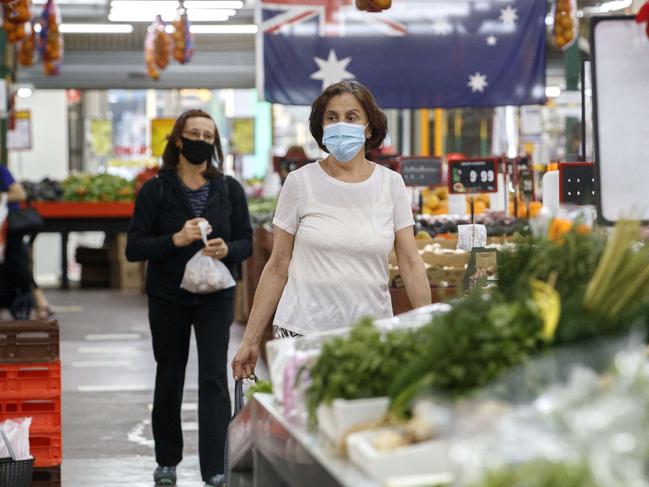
x=161, y=209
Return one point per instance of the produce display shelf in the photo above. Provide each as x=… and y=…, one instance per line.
x=284, y=453
x=71, y=209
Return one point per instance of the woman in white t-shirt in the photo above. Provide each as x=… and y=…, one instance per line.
x=337, y=220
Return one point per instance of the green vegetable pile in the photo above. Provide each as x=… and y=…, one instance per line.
x=96, y=188
x=468, y=347
x=486, y=334
x=261, y=209
x=362, y=365
x=262, y=387
x=540, y=474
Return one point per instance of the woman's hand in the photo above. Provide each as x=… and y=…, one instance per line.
x=216, y=248
x=189, y=234
x=243, y=364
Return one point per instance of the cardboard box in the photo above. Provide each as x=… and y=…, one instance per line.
x=446, y=259
x=116, y=245
x=95, y=275
x=126, y=275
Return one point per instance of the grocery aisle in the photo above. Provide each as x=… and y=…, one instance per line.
x=108, y=374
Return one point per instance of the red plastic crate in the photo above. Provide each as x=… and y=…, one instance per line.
x=30, y=380
x=46, y=477
x=45, y=412
x=46, y=448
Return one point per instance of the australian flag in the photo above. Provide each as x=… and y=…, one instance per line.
x=417, y=54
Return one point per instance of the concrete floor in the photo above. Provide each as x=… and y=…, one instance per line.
x=108, y=375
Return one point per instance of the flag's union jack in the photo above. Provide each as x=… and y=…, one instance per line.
x=327, y=12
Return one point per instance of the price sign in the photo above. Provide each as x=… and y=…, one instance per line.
x=421, y=171
x=473, y=176
x=526, y=184
x=577, y=183
x=523, y=163
x=389, y=161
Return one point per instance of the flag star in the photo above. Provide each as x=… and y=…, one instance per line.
x=333, y=70
x=442, y=27
x=492, y=40
x=477, y=82
x=509, y=16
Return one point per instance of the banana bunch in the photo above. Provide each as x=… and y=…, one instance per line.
x=548, y=302
x=373, y=5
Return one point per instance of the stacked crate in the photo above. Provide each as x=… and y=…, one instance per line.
x=30, y=386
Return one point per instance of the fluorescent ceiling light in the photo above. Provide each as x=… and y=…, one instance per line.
x=173, y=4
x=72, y=2
x=223, y=29
x=96, y=28
x=552, y=91
x=169, y=15
x=144, y=4
x=207, y=15
x=236, y=4
x=608, y=7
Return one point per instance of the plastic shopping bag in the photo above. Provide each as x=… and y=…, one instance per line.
x=203, y=274
x=16, y=433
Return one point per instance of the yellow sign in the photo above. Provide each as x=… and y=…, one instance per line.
x=160, y=129
x=20, y=137
x=101, y=137
x=243, y=136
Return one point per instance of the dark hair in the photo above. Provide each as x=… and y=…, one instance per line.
x=378, y=122
x=171, y=154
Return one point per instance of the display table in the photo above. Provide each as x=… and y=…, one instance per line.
x=65, y=217
x=282, y=454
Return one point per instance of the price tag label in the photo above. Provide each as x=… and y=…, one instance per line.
x=524, y=163
x=482, y=268
x=473, y=176
x=526, y=184
x=422, y=171
x=577, y=183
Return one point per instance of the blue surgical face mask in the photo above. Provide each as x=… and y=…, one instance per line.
x=344, y=140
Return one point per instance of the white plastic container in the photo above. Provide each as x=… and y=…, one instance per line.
x=426, y=458
x=336, y=420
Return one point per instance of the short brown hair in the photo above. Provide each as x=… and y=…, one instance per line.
x=171, y=154
x=378, y=122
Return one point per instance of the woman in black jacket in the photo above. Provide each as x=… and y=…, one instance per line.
x=164, y=231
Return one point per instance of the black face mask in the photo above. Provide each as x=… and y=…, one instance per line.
x=197, y=151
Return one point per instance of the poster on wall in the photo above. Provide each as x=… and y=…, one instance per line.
x=20, y=138
x=101, y=137
x=243, y=136
x=160, y=129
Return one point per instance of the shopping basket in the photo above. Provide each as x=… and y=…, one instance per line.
x=14, y=473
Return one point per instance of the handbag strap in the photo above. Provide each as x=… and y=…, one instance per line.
x=12, y=454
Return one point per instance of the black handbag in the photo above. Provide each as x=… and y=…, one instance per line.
x=25, y=221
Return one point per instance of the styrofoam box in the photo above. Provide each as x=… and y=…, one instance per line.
x=341, y=416
x=426, y=458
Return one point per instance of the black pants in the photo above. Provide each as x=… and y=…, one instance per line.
x=170, y=328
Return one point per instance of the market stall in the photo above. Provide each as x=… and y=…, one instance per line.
x=440, y=396
x=66, y=217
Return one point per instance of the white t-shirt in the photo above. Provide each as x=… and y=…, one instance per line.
x=344, y=233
